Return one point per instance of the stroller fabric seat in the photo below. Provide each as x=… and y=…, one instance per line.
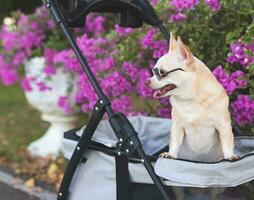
x=223, y=173
x=98, y=169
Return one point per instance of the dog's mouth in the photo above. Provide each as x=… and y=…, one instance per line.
x=160, y=92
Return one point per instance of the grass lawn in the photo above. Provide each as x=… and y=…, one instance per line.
x=19, y=125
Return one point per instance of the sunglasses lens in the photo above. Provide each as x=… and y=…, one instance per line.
x=158, y=77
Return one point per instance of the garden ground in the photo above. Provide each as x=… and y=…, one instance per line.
x=19, y=125
x=14, y=194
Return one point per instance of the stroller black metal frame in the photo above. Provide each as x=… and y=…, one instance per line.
x=129, y=142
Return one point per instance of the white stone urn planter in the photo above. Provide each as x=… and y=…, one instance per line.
x=50, y=144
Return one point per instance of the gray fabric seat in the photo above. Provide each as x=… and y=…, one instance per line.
x=219, y=174
x=154, y=133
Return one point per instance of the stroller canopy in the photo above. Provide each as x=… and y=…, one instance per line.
x=132, y=13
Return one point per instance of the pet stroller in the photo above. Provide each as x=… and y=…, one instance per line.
x=115, y=159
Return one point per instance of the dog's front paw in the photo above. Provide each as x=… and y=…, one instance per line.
x=232, y=157
x=167, y=155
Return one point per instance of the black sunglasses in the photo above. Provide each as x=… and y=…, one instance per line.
x=157, y=74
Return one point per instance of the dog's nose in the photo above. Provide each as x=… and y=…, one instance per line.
x=148, y=82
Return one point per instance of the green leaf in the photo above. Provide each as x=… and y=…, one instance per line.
x=230, y=37
x=249, y=53
x=251, y=82
x=251, y=93
x=251, y=67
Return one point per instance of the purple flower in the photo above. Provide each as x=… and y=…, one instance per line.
x=243, y=110
x=220, y=74
x=237, y=74
x=69, y=61
x=231, y=59
x=165, y=101
x=42, y=87
x=49, y=70
x=51, y=24
x=154, y=2
x=2, y=62
x=85, y=94
x=23, y=20
x=49, y=54
x=164, y=112
x=94, y=24
x=239, y=54
x=30, y=39
x=130, y=70
x=9, y=77
x=107, y=63
x=25, y=84
x=9, y=40
x=35, y=26
x=19, y=58
x=177, y=17
x=250, y=47
x=123, y=31
x=159, y=48
x=148, y=40
x=237, y=48
x=181, y=5
x=123, y=104
x=142, y=88
x=64, y=103
x=214, y=4
x=230, y=82
x=115, y=84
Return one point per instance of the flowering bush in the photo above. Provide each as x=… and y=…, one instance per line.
x=23, y=37
x=219, y=32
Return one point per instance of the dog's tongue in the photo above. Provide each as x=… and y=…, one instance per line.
x=160, y=92
x=155, y=94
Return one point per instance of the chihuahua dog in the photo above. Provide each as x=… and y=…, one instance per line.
x=201, y=124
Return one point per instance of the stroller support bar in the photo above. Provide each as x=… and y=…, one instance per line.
x=129, y=142
x=123, y=129
x=85, y=139
x=120, y=124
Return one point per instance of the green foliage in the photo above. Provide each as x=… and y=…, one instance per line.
x=56, y=40
x=10, y=5
x=210, y=33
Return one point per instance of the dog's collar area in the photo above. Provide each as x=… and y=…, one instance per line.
x=159, y=76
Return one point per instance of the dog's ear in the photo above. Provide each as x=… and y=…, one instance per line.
x=184, y=52
x=172, y=43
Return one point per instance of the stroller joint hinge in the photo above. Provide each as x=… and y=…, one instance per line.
x=101, y=105
x=127, y=146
